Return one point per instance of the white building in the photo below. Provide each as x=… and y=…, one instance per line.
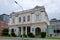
x=55, y=27
x=33, y=20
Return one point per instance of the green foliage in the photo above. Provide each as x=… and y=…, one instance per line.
x=20, y=35
x=13, y=34
x=5, y=32
x=31, y=35
x=9, y=35
x=24, y=35
x=43, y=34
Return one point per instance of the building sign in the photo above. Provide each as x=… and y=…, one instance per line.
x=32, y=29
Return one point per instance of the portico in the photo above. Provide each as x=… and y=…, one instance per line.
x=21, y=30
x=36, y=29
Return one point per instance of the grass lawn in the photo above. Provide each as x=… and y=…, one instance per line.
x=41, y=39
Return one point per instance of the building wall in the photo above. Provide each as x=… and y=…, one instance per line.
x=3, y=25
x=4, y=17
x=56, y=26
x=1, y=18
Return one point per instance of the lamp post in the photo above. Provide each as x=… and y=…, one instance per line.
x=19, y=5
x=22, y=10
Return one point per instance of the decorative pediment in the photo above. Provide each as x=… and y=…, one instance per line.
x=37, y=7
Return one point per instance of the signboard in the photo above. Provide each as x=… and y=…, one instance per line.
x=14, y=30
x=32, y=29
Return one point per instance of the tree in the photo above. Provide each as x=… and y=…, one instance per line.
x=5, y=32
x=43, y=34
x=31, y=35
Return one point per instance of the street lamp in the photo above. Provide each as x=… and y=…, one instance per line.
x=22, y=10
x=19, y=5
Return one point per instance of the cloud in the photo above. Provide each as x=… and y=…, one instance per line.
x=52, y=6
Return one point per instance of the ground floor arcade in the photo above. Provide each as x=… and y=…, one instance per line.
x=25, y=29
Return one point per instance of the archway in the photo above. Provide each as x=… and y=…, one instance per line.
x=37, y=31
x=12, y=30
x=19, y=30
x=28, y=29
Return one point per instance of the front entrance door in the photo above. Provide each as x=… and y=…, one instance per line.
x=37, y=31
x=28, y=29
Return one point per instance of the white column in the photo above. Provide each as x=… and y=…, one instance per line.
x=9, y=31
x=17, y=30
x=21, y=30
x=26, y=30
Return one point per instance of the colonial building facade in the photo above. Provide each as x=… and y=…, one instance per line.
x=33, y=20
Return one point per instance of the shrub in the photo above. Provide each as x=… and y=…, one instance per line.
x=9, y=35
x=13, y=34
x=43, y=34
x=24, y=35
x=20, y=35
x=31, y=35
x=5, y=32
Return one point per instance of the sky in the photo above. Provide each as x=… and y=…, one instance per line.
x=52, y=7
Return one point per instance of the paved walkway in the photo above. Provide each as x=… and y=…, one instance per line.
x=26, y=39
